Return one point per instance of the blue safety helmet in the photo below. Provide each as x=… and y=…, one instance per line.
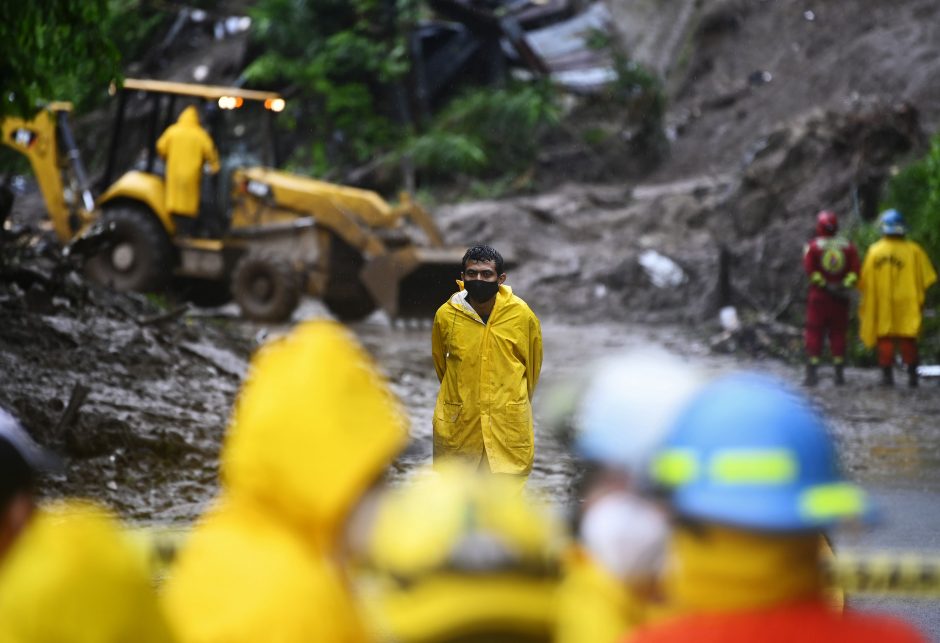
x=892, y=223
x=748, y=452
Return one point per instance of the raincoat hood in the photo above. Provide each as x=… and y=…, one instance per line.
x=188, y=117
x=74, y=576
x=314, y=426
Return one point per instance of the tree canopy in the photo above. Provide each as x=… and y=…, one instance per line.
x=54, y=49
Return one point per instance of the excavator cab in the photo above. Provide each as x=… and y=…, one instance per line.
x=273, y=235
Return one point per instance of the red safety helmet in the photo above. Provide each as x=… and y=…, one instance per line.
x=827, y=223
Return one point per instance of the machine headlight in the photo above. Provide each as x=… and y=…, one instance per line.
x=275, y=104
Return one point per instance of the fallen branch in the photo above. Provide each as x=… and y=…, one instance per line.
x=164, y=317
x=76, y=399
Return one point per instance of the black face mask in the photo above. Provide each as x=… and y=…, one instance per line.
x=481, y=291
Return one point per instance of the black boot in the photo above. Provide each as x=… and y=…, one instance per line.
x=912, y=375
x=811, y=379
x=887, y=376
x=840, y=374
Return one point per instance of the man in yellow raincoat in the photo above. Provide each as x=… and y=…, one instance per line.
x=186, y=147
x=895, y=274
x=487, y=349
x=68, y=573
x=313, y=430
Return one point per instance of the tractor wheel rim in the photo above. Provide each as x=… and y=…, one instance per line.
x=123, y=257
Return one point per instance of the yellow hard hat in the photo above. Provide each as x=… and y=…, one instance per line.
x=465, y=554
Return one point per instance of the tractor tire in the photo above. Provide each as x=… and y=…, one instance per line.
x=266, y=287
x=346, y=296
x=141, y=257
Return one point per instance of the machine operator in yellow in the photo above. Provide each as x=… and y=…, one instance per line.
x=186, y=146
x=313, y=430
x=487, y=349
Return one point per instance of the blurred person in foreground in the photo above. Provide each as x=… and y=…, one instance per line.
x=68, y=572
x=752, y=477
x=466, y=559
x=895, y=275
x=831, y=263
x=313, y=429
x=487, y=348
x=612, y=575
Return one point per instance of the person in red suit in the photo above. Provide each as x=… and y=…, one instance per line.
x=831, y=262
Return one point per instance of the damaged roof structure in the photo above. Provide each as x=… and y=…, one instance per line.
x=488, y=41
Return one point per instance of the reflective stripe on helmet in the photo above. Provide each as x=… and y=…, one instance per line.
x=674, y=467
x=753, y=466
x=836, y=500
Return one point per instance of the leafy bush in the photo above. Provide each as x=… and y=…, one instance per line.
x=341, y=56
x=54, y=49
x=485, y=132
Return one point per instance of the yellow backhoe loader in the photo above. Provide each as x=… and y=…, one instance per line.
x=275, y=234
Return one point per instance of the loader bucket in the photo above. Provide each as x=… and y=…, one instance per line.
x=413, y=282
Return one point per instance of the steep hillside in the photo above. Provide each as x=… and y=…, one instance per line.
x=748, y=65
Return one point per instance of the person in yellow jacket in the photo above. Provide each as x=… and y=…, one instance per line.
x=68, y=572
x=186, y=146
x=466, y=560
x=895, y=274
x=487, y=349
x=314, y=428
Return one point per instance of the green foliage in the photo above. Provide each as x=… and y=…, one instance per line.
x=341, y=55
x=445, y=153
x=133, y=25
x=915, y=192
x=486, y=132
x=641, y=91
x=54, y=49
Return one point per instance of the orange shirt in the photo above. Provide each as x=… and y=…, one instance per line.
x=806, y=622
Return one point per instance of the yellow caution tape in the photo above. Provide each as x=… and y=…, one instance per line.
x=886, y=573
x=852, y=571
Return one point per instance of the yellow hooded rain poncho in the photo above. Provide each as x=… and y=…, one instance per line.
x=895, y=274
x=73, y=576
x=314, y=426
x=488, y=374
x=186, y=146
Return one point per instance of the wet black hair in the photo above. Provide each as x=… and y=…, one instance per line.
x=16, y=476
x=483, y=253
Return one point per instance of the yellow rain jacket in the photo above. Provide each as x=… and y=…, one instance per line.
x=594, y=605
x=314, y=426
x=186, y=146
x=488, y=374
x=895, y=274
x=73, y=577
